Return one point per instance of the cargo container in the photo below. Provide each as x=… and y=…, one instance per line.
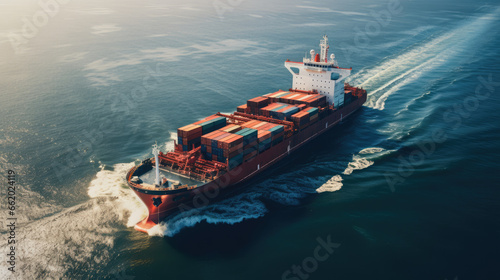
x=241, y=108
x=283, y=112
x=231, y=128
x=266, y=111
x=264, y=139
x=258, y=102
x=189, y=136
x=274, y=96
x=210, y=124
x=249, y=135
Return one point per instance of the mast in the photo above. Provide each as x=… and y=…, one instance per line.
x=324, y=49
x=156, y=151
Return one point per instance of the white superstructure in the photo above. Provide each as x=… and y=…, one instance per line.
x=318, y=74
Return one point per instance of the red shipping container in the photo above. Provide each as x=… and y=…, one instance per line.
x=207, y=138
x=241, y=108
x=221, y=136
x=220, y=142
x=258, y=102
x=231, y=141
x=192, y=131
x=263, y=135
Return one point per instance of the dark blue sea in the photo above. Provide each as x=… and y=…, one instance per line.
x=407, y=188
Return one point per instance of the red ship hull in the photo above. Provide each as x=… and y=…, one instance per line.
x=160, y=204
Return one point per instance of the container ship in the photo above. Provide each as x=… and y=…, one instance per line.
x=221, y=152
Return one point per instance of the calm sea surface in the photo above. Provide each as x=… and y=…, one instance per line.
x=407, y=188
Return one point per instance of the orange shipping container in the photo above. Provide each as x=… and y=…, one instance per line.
x=206, y=119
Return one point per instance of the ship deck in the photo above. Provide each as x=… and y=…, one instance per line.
x=174, y=180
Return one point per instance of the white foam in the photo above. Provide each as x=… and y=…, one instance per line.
x=169, y=145
x=365, y=159
x=83, y=234
x=357, y=163
x=112, y=184
x=230, y=211
x=371, y=150
x=332, y=185
x=57, y=239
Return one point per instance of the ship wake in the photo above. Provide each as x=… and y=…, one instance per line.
x=393, y=75
x=71, y=242
x=362, y=160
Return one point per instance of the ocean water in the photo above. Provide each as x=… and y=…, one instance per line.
x=405, y=189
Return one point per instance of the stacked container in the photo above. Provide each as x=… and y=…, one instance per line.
x=314, y=100
x=348, y=96
x=301, y=119
x=279, y=111
x=274, y=96
x=211, y=123
x=256, y=103
x=314, y=113
x=266, y=111
x=231, y=128
x=223, y=147
x=242, y=108
x=305, y=117
x=264, y=138
x=277, y=131
x=189, y=136
x=250, y=143
x=293, y=98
